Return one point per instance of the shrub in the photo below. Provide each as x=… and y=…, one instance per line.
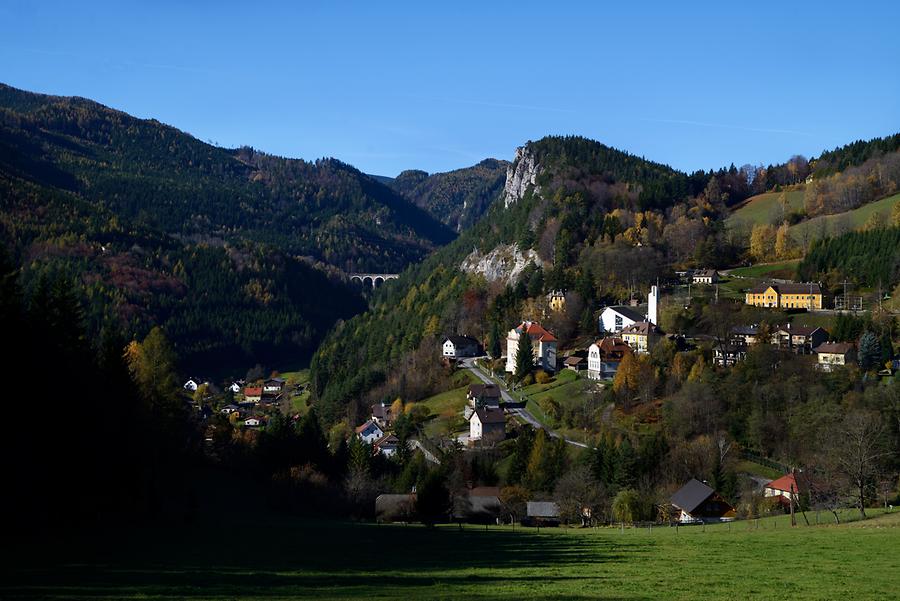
x=542, y=377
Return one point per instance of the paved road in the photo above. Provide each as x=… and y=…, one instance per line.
x=523, y=413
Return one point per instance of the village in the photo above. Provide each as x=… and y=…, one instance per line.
x=533, y=381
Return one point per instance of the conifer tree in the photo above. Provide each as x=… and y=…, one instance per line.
x=524, y=355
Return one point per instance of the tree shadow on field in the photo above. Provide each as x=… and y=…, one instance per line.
x=306, y=559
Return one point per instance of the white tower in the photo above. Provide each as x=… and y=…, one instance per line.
x=652, y=301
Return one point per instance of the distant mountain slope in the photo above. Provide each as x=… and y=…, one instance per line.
x=152, y=226
x=158, y=176
x=456, y=198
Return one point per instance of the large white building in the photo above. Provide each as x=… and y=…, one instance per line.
x=543, y=344
x=616, y=318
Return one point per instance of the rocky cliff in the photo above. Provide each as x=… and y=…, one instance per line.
x=520, y=174
x=504, y=263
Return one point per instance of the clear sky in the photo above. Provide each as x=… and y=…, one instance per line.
x=388, y=86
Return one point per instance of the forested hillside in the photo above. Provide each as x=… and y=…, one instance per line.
x=602, y=222
x=152, y=226
x=456, y=198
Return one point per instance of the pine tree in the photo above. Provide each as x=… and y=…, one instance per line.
x=496, y=346
x=524, y=355
x=869, y=350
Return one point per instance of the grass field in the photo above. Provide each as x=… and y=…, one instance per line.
x=291, y=559
x=830, y=225
x=765, y=270
x=446, y=407
x=764, y=208
x=298, y=401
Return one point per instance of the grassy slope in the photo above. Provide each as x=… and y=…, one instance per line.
x=836, y=224
x=761, y=208
x=288, y=558
x=446, y=407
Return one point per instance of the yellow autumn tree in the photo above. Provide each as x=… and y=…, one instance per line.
x=762, y=242
x=784, y=244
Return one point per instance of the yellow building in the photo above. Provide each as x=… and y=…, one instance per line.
x=786, y=296
x=557, y=300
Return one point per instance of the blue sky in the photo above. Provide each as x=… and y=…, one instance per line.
x=390, y=86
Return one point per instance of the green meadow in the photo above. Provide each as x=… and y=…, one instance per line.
x=269, y=558
x=764, y=208
x=831, y=225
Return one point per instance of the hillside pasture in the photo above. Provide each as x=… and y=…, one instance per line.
x=303, y=559
x=764, y=208
x=832, y=225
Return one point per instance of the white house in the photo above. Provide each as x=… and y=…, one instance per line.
x=543, y=344
x=460, y=346
x=604, y=357
x=705, y=276
x=487, y=425
x=229, y=409
x=369, y=432
x=786, y=489
x=616, y=318
x=834, y=354
x=386, y=445
x=235, y=387
x=192, y=384
x=273, y=386
x=253, y=422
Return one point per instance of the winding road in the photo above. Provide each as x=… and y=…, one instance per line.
x=522, y=413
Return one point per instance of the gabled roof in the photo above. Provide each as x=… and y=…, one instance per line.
x=644, y=328
x=253, y=391
x=461, y=340
x=787, y=483
x=275, y=381
x=365, y=426
x=575, y=360
x=841, y=348
x=690, y=496
x=386, y=440
x=788, y=288
x=804, y=330
x=535, y=331
x=612, y=348
x=381, y=410
x=705, y=273
x=484, y=390
x=487, y=415
x=629, y=312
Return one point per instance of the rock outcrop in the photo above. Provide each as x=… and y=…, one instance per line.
x=504, y=263
x=520, y=174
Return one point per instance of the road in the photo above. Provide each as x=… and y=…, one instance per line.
x=522, y=413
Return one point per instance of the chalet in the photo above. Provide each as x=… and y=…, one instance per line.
x=273, y=386
x=832, y=355
x=557, y=300
x=236, y=386
x=192, y=384
x=786, y=296
x=228, y=409
x=253, y=394
x=484, y=395
x=697, y=502
x=541, y=513
x=487, y=425
x=642, y=336
x=576, y=363
x=804, y=339
x=786, y=489
x=604, y=357
x=543, y=344
x=254, y=422
x=729, y=354
x=369, y=432
x=386, y=445
x=460, y=346
x=381, y=414
x=705, y=276
x=744, y=335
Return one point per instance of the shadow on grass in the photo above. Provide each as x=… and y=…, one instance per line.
x=324, y=560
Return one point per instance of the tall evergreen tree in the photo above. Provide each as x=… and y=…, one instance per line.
x=524, y=355
x=869, y=350
x=496, y=349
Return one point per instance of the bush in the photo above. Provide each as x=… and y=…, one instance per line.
x=528, y=380
x=542, y=377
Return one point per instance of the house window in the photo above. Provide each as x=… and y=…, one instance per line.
x=618, y=323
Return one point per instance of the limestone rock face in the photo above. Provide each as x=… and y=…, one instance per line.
x=520, y=174
x=504, y=263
